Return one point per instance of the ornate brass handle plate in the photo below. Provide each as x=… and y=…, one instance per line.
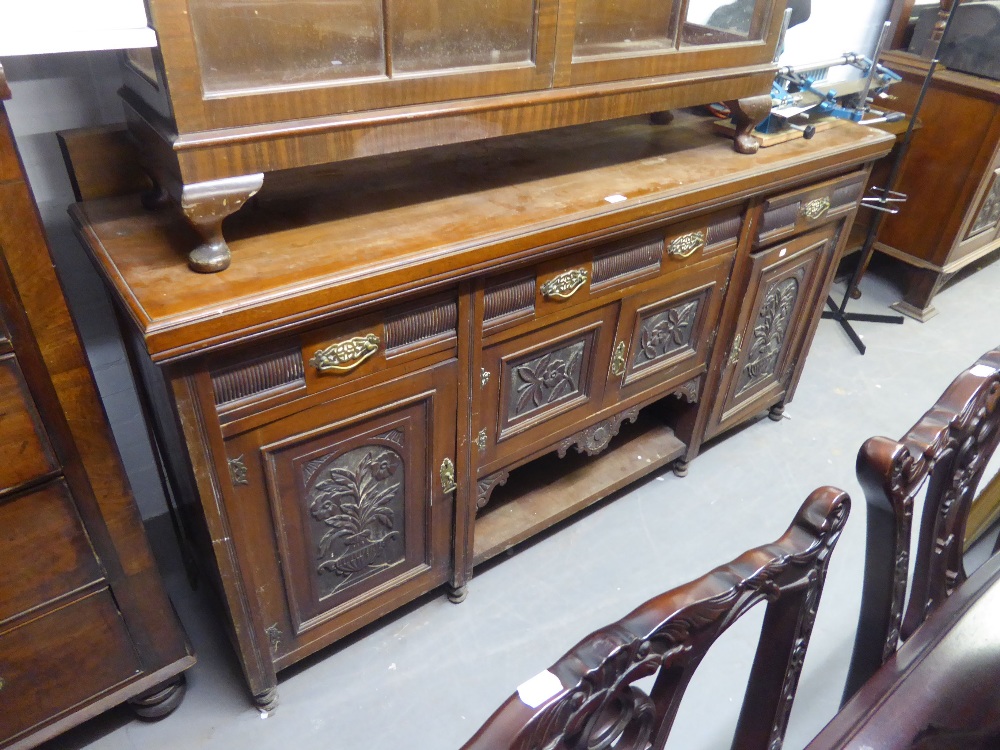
x=448, y=484
x=565, y=285
x=618, y=360
x=815, y=208
x=481, y=440
x=344, y=356
x=686, y=245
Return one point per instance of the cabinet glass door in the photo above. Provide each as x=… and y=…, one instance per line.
x=721, y=22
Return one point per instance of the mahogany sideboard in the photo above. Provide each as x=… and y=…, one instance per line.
x=422, y=360
x=85, y=622
x=237, y=91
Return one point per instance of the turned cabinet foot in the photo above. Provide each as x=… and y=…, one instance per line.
x=681, y=467
x=748, y=113
x=266, y=701
x=160, y=700
x=206, y=205
x=776, y=412
x=457, y=594
x=663, y=117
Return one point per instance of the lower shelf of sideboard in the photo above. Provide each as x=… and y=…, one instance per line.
x=551, y=489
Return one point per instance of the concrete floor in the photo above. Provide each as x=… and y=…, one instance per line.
x=426, y=677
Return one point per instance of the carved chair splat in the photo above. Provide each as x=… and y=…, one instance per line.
x=596, y=704
x=945, y=452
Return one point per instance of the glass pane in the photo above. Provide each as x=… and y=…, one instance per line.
x=253, y=44
x=439, y=34
x=621, y=27
x=721, y=22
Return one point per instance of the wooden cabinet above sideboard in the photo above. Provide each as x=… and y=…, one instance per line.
x=239, y=90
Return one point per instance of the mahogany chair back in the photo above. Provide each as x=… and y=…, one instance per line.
x=943, y=455
x=588, y=699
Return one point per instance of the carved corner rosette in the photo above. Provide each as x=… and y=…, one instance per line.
x=486, y=485
x=596, y=438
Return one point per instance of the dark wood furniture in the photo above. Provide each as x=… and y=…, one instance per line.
x=938, y=691
x=377, y=399
x=945, y=453
x=239, y=90
x=952, y=215
x=589, y=699
x=85, y=623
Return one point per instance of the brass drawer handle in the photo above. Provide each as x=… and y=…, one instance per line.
x=618, y=360
x=448, y=484
x=816, y=208
x=344, y=356
x=565, y=285
x=686, y=245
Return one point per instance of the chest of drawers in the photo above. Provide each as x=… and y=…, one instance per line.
x=419, y=363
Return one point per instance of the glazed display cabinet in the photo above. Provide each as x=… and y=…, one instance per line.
x=237, y=90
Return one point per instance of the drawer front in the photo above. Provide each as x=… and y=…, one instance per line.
x=340, y=354
x=665, y=333
x=62, y=659
x=359, y=499
x=607, y=269
x=45, y=549
x=806, y=208
x=25, y=453
x=544, y=381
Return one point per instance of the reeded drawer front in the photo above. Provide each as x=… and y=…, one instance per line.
x=45, y=550
x=543, y=381
x=800, y=210
x=606, y=269
x=59, y=660
x=25, y=453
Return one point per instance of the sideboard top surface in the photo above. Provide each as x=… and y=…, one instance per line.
x=316, y=242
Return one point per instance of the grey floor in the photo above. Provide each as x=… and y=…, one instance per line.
x=429, y=675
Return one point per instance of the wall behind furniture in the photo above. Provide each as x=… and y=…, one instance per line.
x=57, y=92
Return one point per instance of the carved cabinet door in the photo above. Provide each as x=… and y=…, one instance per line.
x=664, y=333
x=356, y=494
x=783, y=286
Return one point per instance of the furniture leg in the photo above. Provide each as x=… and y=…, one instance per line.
x=457, y=594
x=161, y=700
x=266, y=701
x=921, y=286
x=206, y=205
x=681, y=467
x=748, y=113
x=776, y=412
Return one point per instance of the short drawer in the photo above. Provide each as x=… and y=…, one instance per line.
x=803, y=209
x=25, y=453
x=45, y=549
x=62, y=659
x=607, y=269
x=339, y=354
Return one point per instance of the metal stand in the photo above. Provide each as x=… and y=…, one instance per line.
x=880, y=202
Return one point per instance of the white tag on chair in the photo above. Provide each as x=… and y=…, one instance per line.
x=539, y=689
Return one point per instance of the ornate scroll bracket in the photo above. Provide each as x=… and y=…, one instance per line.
x=596, y=438
x=565, y=285
x=344, y=356
x=688, y=391
x=486, y=485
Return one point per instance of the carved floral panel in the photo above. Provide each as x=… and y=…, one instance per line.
x=665, y=332
x=769, y=332
x=545, y=379
x=355, y=505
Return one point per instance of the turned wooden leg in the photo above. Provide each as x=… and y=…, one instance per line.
x=776, y=412
x=748, y=113
x=159, y=701
x=267, y=701
x=681, y=467
x=206, y=205
x=921, y=286
x=457, y=594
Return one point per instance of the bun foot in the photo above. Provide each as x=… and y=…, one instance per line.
x=776, y=413
x=681, y=467
x=266, y=701
x=159, y=701
x=457, y=594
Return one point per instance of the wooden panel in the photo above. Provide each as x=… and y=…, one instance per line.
x=89, y=635
x=46, y=550
x=25, y=453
